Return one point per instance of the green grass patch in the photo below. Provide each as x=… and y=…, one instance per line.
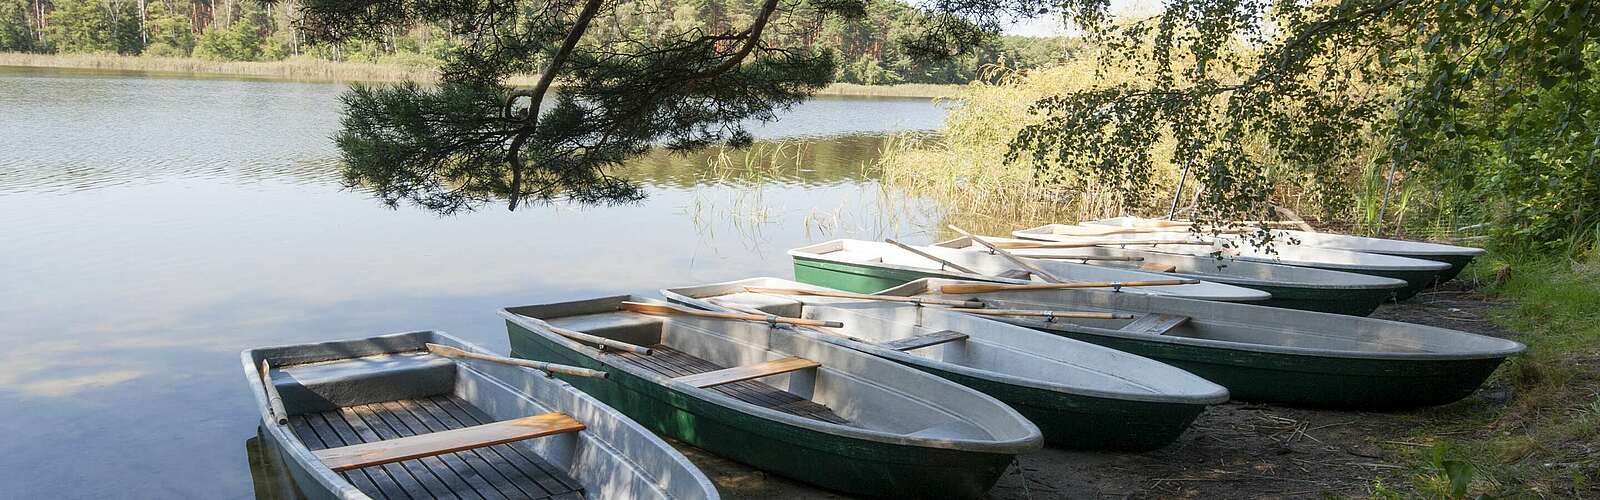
x=1545, y=441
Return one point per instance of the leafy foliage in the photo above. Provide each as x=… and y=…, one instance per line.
x=1496, y=84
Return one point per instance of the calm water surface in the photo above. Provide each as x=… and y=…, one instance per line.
x=151, y=228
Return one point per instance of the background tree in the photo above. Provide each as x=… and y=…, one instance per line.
x=605, y=92
x=1501, y=84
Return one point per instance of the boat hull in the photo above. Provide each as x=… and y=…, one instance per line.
x=1416, y=280
x=1457, y=263
x=1352, y=302
x=1086, y=422
x=1309, y=380
x=855, y=278
x=847, y=465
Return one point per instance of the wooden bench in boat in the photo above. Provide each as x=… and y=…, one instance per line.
x=924, y=340
x=747, y=372
x=499, y=472
x=1016, y=274
x=674, y=363
x=1155, y=323
x=438, y=443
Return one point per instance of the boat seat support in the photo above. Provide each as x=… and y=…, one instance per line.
x=924, y=340
x=747, y=372
x=1155, y=324
x=438, y=443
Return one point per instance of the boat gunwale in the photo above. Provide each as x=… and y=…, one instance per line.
x=1512, y=349
x=1243, y=294
x=1024, y=444
x=982, y=374
x=1434, y=248
x=1371, y=282
x=1040, y=233
x=289, y=442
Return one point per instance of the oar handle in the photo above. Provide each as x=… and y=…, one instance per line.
x=1045, y=314
x=960, y=288
x=452, y=352
x=862, y=296
x=667, y=309
x=1036, y=270
x=612, y=344
x=274, y=400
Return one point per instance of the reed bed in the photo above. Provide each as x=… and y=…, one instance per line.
x=322, y=70
x=965, y=167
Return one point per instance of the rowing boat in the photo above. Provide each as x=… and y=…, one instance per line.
x=1291, y=287
x=1267, y=354
x=783, y=402
x=869, y=266
x=1417, y=273
x=383, y=417
x=1079, y=394
x=1457, y=256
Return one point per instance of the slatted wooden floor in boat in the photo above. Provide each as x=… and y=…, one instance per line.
x=674, y=363
x=489, y=473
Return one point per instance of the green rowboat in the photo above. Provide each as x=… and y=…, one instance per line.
x=868, y=266
x=1292, y=287
x=841, y=419
x=1080, y=395
x=1268, y=354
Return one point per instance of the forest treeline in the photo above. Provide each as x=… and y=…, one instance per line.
x=249, y=30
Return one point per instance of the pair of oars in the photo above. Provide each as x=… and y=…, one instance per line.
x=970, y=306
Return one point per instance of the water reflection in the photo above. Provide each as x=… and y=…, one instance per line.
x=268, y=474
x=156, y=227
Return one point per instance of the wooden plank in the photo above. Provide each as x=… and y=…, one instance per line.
x=1157, y=267
x=924, y=340
x=400, y=419
x=441, y=467
x=747, y=372
x=1155, y=323
x=426, y=471
x=379, y=480
x=673, y=363
x=402, y=475
x=540, y=474
x=395, y=450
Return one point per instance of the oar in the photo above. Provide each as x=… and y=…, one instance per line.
x=960, y=288
x=1046, y=314
x=274, y=401
x=1024, y=245
x=862, y=296
x=1085, y=258
x=928, y=256
x=1105, y=230
x=668, y=309
x=1025, y=265
x=593, y=339
x=451, y=352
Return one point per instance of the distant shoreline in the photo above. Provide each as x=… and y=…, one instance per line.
x=318, y=70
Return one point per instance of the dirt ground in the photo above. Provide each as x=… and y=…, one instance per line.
x=1235, y=450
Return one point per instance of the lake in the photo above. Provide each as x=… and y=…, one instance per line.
x=156, y=226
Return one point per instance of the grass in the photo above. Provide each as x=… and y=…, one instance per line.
x=1544, y=442
x=313, y=69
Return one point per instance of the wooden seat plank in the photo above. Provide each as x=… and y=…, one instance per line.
x=673, y=363
x=537, y=477
x=446, y=468
x=924, y=340
x=395, y=450
x=747, y=372
x=400, y=420
x=1155, y=323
